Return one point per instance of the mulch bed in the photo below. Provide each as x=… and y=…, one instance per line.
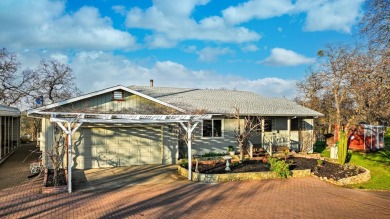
x=61, y=178
x=327, y=169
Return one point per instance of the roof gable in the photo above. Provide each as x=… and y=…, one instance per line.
x=99, y=93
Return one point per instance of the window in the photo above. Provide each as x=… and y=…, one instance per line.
x=117, y=95
x=268, y=123
x=212, y=128
x=295, y=124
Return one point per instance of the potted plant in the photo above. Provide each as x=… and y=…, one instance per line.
x=231, y=150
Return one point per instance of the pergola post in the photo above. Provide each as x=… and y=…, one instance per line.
x=68, y=130
x=189, y=129
x=69, y=158
x=262, y=131
x=289, y=132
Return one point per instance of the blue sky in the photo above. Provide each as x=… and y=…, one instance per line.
x=263, y=46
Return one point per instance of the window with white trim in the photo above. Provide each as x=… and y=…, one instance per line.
x=212, y=128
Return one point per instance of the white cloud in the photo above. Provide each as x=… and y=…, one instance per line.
x=120, y=9
x=171, y=23
x=259, y=9
x=250, y=48
x=337, y=15
x=98, y=70
x=43, y=24
x=284, y=57
x=209, y=54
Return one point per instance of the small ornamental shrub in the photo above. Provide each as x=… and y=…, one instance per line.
x=320, y=162
x=280, y=167
x=234, y=164
x=230, y=148
x=184, y=163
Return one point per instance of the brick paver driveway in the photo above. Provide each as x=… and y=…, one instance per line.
x=292, y=198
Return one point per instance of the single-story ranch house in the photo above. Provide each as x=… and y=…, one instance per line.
x=121, y=126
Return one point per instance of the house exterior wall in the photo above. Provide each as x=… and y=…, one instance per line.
x=278, y=135
x=202, y=145
x=170, y=144
x=9, y=135
x=105, y=104
x=46, y=141
x=84, y=156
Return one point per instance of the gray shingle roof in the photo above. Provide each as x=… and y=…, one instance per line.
x=221, y=101
x=9, y=111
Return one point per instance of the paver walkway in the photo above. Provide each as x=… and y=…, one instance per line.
x=14, y=171
x=292, y=198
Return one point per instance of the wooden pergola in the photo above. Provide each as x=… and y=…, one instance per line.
x=70, y=122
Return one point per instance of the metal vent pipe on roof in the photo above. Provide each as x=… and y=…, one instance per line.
x=151, y=82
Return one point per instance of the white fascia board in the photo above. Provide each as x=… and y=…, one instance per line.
x=102, y=92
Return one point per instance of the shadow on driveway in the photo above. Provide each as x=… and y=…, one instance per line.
x=119, y=177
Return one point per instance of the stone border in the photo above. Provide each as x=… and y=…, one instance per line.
x=360, y=178
x=210, y=178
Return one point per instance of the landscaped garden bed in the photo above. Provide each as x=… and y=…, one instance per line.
x=48, y=181
x=257, y=169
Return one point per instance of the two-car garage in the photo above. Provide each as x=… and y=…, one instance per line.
x=97, y=147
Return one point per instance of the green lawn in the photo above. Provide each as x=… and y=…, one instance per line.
x=379, y=165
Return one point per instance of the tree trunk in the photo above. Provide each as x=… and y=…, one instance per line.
x=241, y=151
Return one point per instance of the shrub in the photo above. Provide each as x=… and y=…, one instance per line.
x=320, y=162
x=230, y=148
x=184, y=163
x=280, y=167
x=349, y=156
x=342, y=147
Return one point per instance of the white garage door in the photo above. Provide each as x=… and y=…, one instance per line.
x=110, y=147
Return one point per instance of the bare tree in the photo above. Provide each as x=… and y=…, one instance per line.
x=13, y=84
x=55, y=81
x=375, y=24
x=350, y=84
x=242, y=134
x=334, y=69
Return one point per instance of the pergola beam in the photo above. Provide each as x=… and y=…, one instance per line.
x=189, y=129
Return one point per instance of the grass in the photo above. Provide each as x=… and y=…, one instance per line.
x=378, y=163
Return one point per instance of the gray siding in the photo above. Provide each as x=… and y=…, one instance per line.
x=104, y=104
x=203, y=145
x=9, y=135
x=46, y=141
